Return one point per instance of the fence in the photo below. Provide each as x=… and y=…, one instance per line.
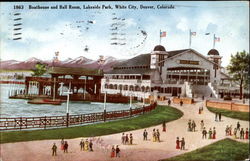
x=45, y=122
x=228, y=106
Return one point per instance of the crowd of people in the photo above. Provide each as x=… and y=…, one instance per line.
x=244, y=134
x=127, y=139
x=211, y=133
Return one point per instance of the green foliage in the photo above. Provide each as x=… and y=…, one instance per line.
x=232, y=114
x=155, y=117
x=40, y=69
x=223, y=150
x=239, y=67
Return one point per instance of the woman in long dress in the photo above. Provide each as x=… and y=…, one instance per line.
x=214, y=133
x=235, y=133
x=246, y=134
x=62, y=144
x=210, y=133
x=177, y=143
x=86, y=145
x=112, y=152
x=154, y=135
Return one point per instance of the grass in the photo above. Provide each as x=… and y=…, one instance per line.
x=233, y=114
x=155, y=117
x=223, y=150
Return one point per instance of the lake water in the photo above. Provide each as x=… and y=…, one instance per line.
x=20, y=107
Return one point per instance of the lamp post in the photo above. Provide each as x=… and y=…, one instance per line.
x=67, y=112
x=104, y=106
x=130, y=105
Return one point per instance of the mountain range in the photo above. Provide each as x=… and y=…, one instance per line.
x=77, y=62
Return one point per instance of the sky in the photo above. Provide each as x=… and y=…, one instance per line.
x=121, y=33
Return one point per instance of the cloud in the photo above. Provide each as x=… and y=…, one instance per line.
x=183, y=24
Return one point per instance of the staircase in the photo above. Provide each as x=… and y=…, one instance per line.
x=188, y=89
x=213, y=90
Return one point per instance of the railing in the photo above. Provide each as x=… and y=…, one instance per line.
x=47, y=122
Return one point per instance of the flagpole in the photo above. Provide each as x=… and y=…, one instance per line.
x=214, y=42
x=189, y=38
x=160, y=37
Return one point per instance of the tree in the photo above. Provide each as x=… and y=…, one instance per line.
x=239, y=68
x=40, y=69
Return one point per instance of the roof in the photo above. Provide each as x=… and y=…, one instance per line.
x=175, y=52
x=213, y=52
x=75, y=71
x=159, y=48
x=140, y=60
x=131, y=71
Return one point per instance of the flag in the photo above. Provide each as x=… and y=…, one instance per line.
x=207, y=33
x=163, y=34
x=217, y=39
x=193, y=33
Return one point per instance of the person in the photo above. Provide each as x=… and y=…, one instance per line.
x=65, y=148
x=182, y=144
x=210, y=133
x=131, y=139
x=219, y=116
x=123, y=138
x=193, y=126
x=86, y=145
x=204, y=133
x=164, y=126
x=203, y=97
x=181, y=103
x=154, y=135
x=62, y=144
x=90, y=145
x=242, y=133
x=246, y=134
x=158, y=135
x=169, y=102
x=82, y=144
x=145, y=135
x=214, y=133
x=177, y=143
x=227, y=130
x=235, y=133
x=200, y=109
x=117, y=151
x=211, y=95
x=238, y=125
x=112, y=152
x=202, y=125
x=230, y=130
x=54, y=147
x=216, y=116
x=126, y=139
x=189, y=125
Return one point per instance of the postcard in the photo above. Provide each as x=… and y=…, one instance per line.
x=124, y=80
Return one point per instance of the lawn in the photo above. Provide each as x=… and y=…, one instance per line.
x=155, y=117
x=224, y=150
x=233, y=114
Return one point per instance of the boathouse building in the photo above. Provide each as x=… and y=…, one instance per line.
x=162, y=73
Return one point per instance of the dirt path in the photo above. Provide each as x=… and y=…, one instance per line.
x=140, y=151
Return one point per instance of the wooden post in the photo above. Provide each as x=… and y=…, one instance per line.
x=104, y=115
x=67, y=120
x=45, y=121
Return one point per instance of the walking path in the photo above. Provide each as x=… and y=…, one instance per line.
x=139, y=151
